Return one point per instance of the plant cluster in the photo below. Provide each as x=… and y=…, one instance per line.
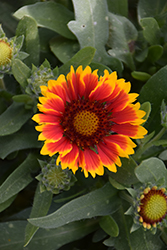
x=92, y=174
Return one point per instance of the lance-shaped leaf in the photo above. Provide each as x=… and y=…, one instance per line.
x=102, y=201
x=13, y=119
x=40, y=207
x=12, y=235
x=19, y=178
x=25, y=138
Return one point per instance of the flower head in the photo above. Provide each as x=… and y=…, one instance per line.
x=5, y=52
x=89, y=121
x=53, y=178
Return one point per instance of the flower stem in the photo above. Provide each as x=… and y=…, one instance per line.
x=143, y=148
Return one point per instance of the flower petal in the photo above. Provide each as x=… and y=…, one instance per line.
x=63, y=146
x=130, y=114
x=52, y=101
x=46, y=118
x=90, y=80
x=49, y=134
x=69, y=160
x=133, y=131
x=93, y=163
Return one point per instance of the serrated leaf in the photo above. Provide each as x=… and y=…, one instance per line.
x=109, y=225
x=21, y=72
x=154, y=91
x=13, y=119
x=151, y=170
x=122, y=34
x=40, y=207
x=83, y=57
x=91, y=29
x=18, y=179
x=100, y=202
x=49, y=15
x=28, y=27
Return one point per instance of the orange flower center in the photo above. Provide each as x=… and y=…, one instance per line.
x=153, y=206
x=86, y=122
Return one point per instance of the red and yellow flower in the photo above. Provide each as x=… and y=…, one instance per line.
x=89, y=121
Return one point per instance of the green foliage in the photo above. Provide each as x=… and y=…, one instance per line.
x=46, y=38
x=49, y=15
x=93, y=204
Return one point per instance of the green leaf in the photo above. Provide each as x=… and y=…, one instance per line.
x=12, y=235
x=64, y=48
x=7, y=203
x=13, y=119
x=100, y=202
x=118, y=7
x=109, y=225
x=163, y=155
x=91, y=29
x=146, y=106
x=151, y=170
x=152, y=8
x=125, y=175
x=141, y=76
x=28, y=27
x=23, y=98
x=116, y=184
x=49, y=15
x=21, y=72
x=154, y=91
x=6, y=19
x=122, y=35
x=154, y=53
x=147, y=138
x=100, y=67
x=151, y=30
x=40, y=207
x=83, y=57
x=18, y=179
x=91, y=25
x=26, y=137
